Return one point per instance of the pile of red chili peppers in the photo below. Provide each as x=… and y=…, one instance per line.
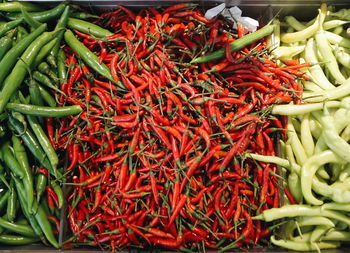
x=158, y=159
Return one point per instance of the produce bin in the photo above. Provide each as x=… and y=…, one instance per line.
x=262, y=10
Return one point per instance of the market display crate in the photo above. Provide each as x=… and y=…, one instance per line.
x=264, y=11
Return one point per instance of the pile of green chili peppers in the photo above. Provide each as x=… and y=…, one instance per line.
x=316, y=153
x=31, y=174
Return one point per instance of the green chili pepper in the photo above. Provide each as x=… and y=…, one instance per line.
x=17, y=240
x=87, y=56
x=31, y=142
x=45, y=69
x=2, y=176
x=236, y=45
x=309, y=169
x=331, y=192
x=11, y=203
x=52, y=59
x=50, y=101
x=24, y=230
x=332, y=138
x=62, y=23
x=44, y=79
x=345, y=173
x=294, y=186
x=300, y=210
x=9, y=159
x=58, y=190
x=22, y=158
x=42, y=16
x=45, y=206
x=306, y=221
x=14, y=80
x=34, y=92
x=304, y=246
x=6, y=43
x=291, y=166
x=61, y=66
x=21, y=33
x=40, y=184
x=3, y=200
x=83, y=15
x=318, y=232
x=24, y=206
x=43, y=111
x=8, y=26
x=20, y=117
x=297, y=147
x=326, y=51
x=10, y=58
x=316, y=71
x=44, y=141
x=44, y=51
x=16, y=6
x=23, y=99
x=336, y=235
x=88, y=28
x=45, y=225
x=29, y=19
x=337, y=206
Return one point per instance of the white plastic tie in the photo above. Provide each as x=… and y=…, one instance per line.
x=233, y=14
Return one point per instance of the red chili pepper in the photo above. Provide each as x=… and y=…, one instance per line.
x=176, y=194
x=240, y=30
x=289, y=196
x=103, y=52
x=270, y=146
x=217, y=200
x=204, y=135
x=180, y=204
x=97, y=200
x=50, y=202
x=249, y=225
x=220, y=66
x=127, y=124
x=107, y=158
x=181, y=44
x=123, y=173
x=92, y=179
x=245, y=119
x=191, y=169
x=84, y=35
x=56, y=222
x=76, y=74
x=160, y=133
x=154, y=188
x=105, y=85
x=238, y=210
x=43, y=171
x=50, y=130
x=169, y=243
x=74, y=160
x=52, y=195
x=179, y=6
x=113, y=66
